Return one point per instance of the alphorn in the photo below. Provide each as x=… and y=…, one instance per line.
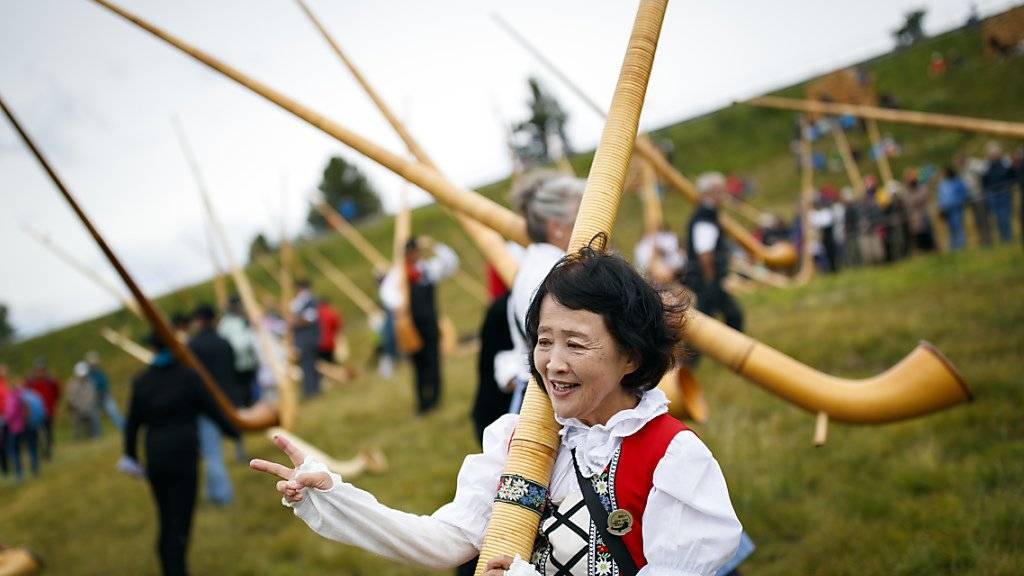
x=378, y=261
x=408, y=338
x=342, y=282
x=288, y=397
x=843, y=146
x=881, y=157
x=89, y=273
x=531, y=453
x=367, y=461
x=487, y=241
x=361, y=244
x=127, y=345
x=706, y=334
x=999, y=128
x=779, y=255
x=220, y=289
x=241, y=419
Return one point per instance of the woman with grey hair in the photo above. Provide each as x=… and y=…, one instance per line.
x=549, y=201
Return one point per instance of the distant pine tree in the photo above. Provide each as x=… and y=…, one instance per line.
x=6, y=330
x=260, y=247
x=347, y=190
x=912, y=30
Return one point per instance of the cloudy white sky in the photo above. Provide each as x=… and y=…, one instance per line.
x=98, y=95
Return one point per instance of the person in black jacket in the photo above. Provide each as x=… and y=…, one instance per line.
x=217, y=355
x=492, y=401
x=707, y=253
x=167, y=398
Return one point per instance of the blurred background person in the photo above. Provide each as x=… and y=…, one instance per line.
x=167, y=399
x=83, y=403
x=107, y=403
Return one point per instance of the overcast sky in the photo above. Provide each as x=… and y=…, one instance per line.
x=98, y=96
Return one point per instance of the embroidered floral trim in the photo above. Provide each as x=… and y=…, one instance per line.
x=514, y=489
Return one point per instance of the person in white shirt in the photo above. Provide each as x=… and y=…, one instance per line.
x=423, y=273
x=707, y=255
x=658, y=256
x=600, y=339
x=549, y=201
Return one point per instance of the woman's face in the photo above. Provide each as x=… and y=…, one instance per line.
x=581, y=364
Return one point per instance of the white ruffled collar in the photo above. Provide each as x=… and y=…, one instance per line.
x=595, y=445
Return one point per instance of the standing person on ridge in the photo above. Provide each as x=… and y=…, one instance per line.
x=234, y=328
x=424, y=273
x=83, y=404
x=167, y=399
x=330, y=326
x=548, y=201
x=47, y=387
x=305, y=325
x=707, y=252
x=216, y=354
x=5, y=396
x=105, y=400
x=997, y=183
x=953, y=195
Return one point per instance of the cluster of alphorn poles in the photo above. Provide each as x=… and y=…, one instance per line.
x=921, y=383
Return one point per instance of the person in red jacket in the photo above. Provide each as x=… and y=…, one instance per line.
x=330, y=325
x=49, y=389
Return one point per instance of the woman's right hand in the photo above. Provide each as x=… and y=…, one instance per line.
x=292, y=485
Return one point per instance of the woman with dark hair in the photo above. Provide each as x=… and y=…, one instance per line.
x=633, y=491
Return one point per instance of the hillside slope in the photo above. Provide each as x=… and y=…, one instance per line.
x=936, y=495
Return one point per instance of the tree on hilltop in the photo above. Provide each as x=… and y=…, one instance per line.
x=346, y=189
x=6, y=330
x=260, y=247
x=541, y=137
x=912, y=30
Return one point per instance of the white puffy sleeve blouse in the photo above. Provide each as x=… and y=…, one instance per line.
x=689, y=524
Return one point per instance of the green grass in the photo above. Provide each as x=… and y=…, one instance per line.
x=939, y=494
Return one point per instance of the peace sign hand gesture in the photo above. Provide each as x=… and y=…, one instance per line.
x=292, y=484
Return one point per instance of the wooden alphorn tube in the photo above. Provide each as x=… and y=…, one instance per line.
x=89, y=273
x=342, y=282
x=999, y=128
x=487, y=241
x=480, y=208
x=288, y=397
x=127, y=345
x=779, y=255
x=156, y=320
x=534, y=444
x=361, y=244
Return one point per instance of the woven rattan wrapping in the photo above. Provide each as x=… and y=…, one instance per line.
x=535, y=442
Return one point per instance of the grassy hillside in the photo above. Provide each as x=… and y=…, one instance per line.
x=936, y=495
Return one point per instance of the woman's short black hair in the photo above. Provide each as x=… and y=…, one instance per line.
x=645, y=323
